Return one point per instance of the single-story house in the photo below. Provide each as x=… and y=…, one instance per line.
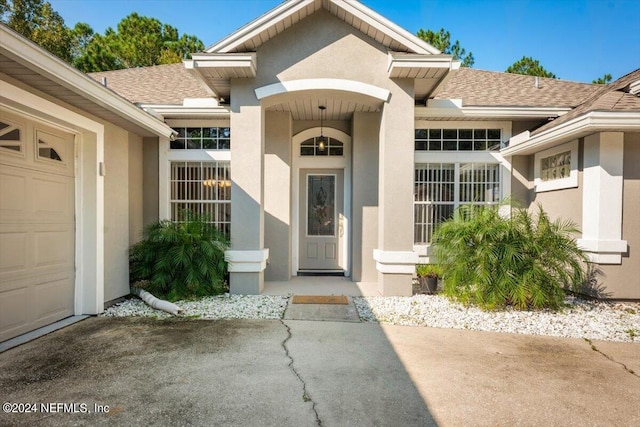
x=321, y=137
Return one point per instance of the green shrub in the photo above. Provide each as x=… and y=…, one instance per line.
x=180, y=259
x=525, y=261
x=428, y=270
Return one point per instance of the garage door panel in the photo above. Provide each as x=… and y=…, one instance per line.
x=13, y=247
x=52, y=198
x=54, y=299
x=13, y=192
x=53, y=248
x=13, y=306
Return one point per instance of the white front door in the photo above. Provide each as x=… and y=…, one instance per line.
x=321, y=219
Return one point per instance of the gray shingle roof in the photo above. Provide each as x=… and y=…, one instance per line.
x=493, y=89
x=170, y=84
x=160, y=84
x=612, y=97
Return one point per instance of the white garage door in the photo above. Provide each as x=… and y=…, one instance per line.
x=37, y=229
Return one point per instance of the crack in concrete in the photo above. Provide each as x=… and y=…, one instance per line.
x=306, y=397
x=596, y=349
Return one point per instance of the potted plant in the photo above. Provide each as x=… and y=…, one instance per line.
x=428, y=275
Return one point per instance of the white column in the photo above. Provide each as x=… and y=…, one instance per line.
x=602, y=182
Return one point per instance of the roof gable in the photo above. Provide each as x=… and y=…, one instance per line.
x=279, y=19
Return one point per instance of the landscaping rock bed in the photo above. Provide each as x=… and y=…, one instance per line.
x=219, y=307
x=594, y=320
x=580, y=319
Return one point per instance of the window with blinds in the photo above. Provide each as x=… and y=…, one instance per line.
x=203, y=188
x=440, y=188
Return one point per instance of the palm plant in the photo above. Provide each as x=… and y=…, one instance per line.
x=525, y=261
x=179, y=260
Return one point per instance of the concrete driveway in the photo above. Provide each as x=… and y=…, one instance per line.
x=306, y=373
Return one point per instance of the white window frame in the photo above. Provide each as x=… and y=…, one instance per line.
x=221, y=224
x=457, y=202
x=560, y=183
x=167, y=155
x=458, y=157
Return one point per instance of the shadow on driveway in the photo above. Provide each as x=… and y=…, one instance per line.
x=197, y=372
x=309, y=373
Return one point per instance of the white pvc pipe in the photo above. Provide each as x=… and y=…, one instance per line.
x=156, y=303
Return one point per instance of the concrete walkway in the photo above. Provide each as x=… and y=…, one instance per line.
x=322, y=312
x=306, y=373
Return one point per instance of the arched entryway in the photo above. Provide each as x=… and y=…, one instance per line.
x=321, y=202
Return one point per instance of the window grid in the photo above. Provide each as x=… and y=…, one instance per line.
x=202, y=138
x=311, y=147
x=440, y=188
x=557, y=166
x=458, y=139
x=203, y=188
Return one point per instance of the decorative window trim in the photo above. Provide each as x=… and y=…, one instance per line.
x=40, y=141
x=5, y=144
x=561, y=183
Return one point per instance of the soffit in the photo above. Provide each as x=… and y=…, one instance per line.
x=278, y=20
x=24, y=72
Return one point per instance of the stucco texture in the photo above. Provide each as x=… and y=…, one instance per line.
x=623, y=281
x=123, y=204
x=322, y=46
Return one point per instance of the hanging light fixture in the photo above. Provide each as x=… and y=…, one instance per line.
x=322, y=141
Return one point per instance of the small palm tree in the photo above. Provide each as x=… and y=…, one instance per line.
x=525, y=261
x=183, y=259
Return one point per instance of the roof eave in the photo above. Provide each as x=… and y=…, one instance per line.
x=594, y=121
x=490, y=112
x=246, y=32
x=56, y=70
x=386, y=26
x=215, y=70
x=353, y=7
x=401, y=63
x=179, y=111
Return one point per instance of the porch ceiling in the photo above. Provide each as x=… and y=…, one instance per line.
x=339, y=106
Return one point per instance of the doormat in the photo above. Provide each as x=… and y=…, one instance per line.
x=319, y=299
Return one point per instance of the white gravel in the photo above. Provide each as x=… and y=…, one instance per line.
x=581, y=319
x=219, y=307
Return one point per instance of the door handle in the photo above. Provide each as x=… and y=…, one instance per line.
x=341, y=225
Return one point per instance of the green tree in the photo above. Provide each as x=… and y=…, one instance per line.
x=442, y=41
x=37, y=21
x=606, y=79
x=530, y=67
x=139, y=41
x=81, y=36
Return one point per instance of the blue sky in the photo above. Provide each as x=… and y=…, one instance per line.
x=578, y=40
